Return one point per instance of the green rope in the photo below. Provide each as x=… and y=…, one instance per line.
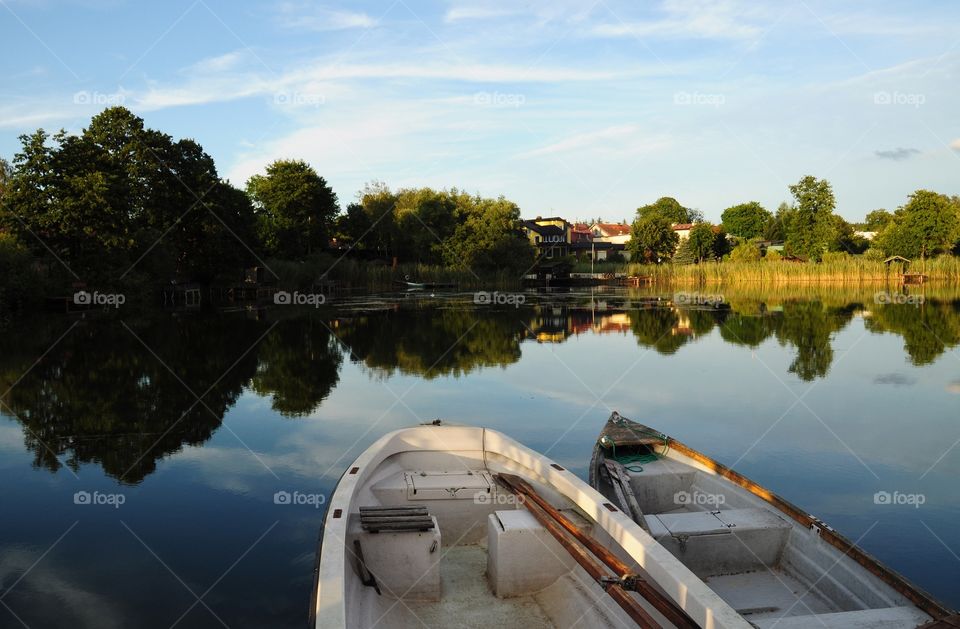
x=635, y=462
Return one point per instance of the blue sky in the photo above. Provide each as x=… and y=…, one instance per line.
x=581, y=109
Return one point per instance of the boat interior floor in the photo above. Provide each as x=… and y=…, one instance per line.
x=754, y=557
x=467, y=600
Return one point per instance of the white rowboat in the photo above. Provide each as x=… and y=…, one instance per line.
x=458, y=526
x=775, y=564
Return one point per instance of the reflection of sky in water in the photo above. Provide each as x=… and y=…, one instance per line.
x=874, y=423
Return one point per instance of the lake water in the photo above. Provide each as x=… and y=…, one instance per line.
x=140, y=456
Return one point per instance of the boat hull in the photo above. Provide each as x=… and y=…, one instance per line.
x=789, y=540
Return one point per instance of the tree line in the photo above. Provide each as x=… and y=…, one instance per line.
x=120, y=201
x=928, y=224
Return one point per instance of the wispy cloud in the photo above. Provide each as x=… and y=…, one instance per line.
x=898, y=154
x=618, y=139
x=955, y=145
x=477, y=12
x=313, y=18
x=694, y=19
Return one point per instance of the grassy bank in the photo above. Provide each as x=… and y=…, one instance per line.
x=374, y=276
x=849, y=270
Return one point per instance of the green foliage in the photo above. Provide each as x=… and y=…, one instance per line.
x=670, y=209
x=120, y=195
x=18, y=283
x=652, y=239
x=877, y=220
x=684, y=253
x=810, y=228
x=747, y=220
x=351, y=227
x=844, y=238
x=439, y=227
x=5, y=173
x=776, y=229
x=488, y=237
x=745, y=252
x=295, y=208
x=379, y=205
x=701, y=240
x=928, y=224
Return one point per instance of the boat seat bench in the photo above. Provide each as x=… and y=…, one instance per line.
x=885, y=617
x=400, y=548
x=713, y=542
x=405, y=518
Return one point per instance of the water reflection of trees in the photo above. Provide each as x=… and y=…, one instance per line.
x=434, y=341
x=928, y=329
x=119, y=397
x=100, y=395
x=668, y=329
x=806, y=325
x=299, y=365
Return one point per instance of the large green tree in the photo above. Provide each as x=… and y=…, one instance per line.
x=927, y=225
x=295, y=208
x=489, y=236
x=652, y=239
x=777, y=228
x=671, y=210
x=120, y=197
x=702, y=239
x=746, y=220
x=811, y=227
x=877, y=220
x=845, y=238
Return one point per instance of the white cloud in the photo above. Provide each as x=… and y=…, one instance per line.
x=697, y=19
x=619, y=140
x=305, y=17
x=955, y=145
x=478, y=12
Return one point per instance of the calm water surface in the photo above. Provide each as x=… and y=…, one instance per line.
x=174, y=432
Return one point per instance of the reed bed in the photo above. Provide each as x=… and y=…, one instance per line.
x=842, y=270
x=365, y=275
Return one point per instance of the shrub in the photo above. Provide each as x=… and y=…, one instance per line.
x=746, y=252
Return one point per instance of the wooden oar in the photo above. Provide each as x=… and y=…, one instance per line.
x=620, y=480
x=594, y=568
x=543, y=510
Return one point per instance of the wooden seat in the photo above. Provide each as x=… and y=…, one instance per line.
x=395, y=519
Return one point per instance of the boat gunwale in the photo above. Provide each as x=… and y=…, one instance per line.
x=916, y=595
